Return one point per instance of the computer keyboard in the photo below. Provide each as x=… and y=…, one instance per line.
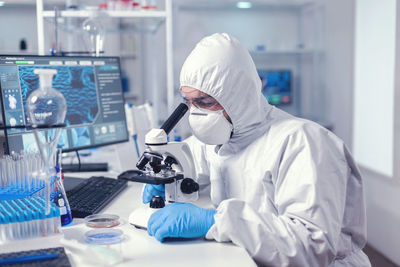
x=90, y=196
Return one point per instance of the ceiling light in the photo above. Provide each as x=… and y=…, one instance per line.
x=243, y=5
x=1, y=3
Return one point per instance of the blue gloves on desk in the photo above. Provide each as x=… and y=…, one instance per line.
x=180, y=220
x=151, y=190
x=176, y=219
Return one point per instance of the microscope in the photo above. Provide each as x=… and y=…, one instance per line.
x=167, y=163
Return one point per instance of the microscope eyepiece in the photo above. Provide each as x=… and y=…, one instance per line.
x=172, y=120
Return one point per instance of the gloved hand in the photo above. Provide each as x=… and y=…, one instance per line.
x=151, y=190
x=180, y=220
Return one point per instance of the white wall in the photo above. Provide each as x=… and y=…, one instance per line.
x=17, y=23
x=377, y=54
x=374, y=84
x=339, y=51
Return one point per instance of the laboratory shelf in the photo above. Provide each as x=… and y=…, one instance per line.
x=256, y=4
x=110, y=13
x=283, y=52
x=144, y=23
x=130, y=24
x=130, y=55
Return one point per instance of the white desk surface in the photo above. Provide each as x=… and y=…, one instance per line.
x=138, y=248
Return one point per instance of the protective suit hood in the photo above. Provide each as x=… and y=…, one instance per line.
x=222, y=68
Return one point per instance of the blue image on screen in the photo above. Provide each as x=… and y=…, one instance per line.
x=80, y=136
x=11, y=100
x=76, y=83
x=276, y=86
x=63, y=141
x=29, y=141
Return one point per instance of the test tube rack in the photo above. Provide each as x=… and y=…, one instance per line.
x=22, y=199
x=26, y=218
x=19, y=176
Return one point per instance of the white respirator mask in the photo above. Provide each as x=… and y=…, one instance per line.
x=210, y=127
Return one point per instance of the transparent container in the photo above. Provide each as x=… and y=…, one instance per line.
x=104, y=236
x=135, y=5
x=148, y=4
x=94, y=32
x=102, y=220
x=46, y=108
x=58, y=195
x=107, y=243
x=126, y=4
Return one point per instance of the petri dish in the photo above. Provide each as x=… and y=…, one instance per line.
x=102, y=220
x=104, y=236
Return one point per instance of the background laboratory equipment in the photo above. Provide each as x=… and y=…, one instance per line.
x=93, y=119
x=46, y=108
x=276, y=85
x=94, y=32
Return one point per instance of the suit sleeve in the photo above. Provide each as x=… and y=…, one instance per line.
x=309, y=198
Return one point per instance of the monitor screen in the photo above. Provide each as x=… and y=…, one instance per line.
x=276, y=86
x=92, y=90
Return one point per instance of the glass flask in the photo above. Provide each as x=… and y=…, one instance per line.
x=46, y=108
x=94, y=32
x=58, y=195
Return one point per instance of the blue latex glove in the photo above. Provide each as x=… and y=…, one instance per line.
x=180, y=220
x=151, y=190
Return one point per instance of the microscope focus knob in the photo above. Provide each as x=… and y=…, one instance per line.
x=157, y=202
x=189, y=186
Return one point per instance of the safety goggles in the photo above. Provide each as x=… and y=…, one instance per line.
x=201, y=102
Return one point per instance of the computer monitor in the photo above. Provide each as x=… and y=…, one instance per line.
x=276, y=86
x=92, y=89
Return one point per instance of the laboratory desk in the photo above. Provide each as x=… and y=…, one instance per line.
x=138, y=248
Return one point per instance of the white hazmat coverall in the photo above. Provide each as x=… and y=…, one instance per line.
x=286, y=189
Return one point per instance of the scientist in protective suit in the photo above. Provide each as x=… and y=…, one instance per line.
x=285, y=189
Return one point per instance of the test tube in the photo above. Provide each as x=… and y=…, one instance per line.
x=18, y=178
x=4, y=171
x=2, y=182
x=32, y=170
x=7, y=170
x=35, y=170
x=24, y=177
x=12, y=172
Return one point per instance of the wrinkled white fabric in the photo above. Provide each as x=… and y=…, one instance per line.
x=286, y=189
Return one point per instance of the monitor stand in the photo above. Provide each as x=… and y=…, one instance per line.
x=85, y=167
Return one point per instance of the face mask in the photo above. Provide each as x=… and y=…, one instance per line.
x=210, y=127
